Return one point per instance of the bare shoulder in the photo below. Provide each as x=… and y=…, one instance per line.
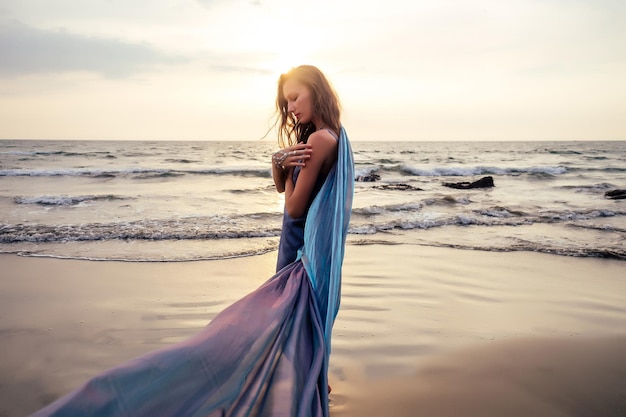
x=323, y=140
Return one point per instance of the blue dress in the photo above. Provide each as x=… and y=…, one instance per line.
x=266, y=354
x=292, y=232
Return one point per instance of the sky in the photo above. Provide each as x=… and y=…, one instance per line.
x=403, y=69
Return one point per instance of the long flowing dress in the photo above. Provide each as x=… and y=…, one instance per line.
x=266, y=354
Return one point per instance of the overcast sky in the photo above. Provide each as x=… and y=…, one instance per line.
x=404, y=69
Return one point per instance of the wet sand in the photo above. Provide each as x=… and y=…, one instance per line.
x=421, y=331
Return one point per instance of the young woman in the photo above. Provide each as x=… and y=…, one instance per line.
x=267, y=354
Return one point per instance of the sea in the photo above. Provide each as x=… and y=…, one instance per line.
x=156, y=201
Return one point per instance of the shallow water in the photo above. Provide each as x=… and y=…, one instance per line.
x=442, y=331
x=179, y=201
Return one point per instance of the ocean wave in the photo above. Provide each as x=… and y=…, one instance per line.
x=592, y=187
x=460, y=171
x=372, y=210
x=72, y=172
x=410, y=207
x=564, y=152
x=235, y=171
x=139, y=173
x=64, y=200
x=177, y=252
x=59, y=153
x=385, y=223
x=448, y=200
x=182, y=161
x=363, y=171
x=370, y=220
x=387, y=161
x=521, y=246
x=431, y=223
x=153, y=175
x=551, y=216
x=365, y=220
x=264, y=172
x=143, y=257
x=500, y=212
x=602, y=228
x=193, y=228
x=31, y=153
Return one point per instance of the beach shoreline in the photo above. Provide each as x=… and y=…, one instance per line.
x=437, y=331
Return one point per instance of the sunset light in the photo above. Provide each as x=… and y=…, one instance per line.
x=194, y=70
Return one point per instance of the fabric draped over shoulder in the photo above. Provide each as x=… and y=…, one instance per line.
x=325, y=233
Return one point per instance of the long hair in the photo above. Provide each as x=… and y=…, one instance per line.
x=326, y=105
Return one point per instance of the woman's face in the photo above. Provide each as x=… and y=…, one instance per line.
x=299, y=100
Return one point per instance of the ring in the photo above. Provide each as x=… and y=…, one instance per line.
x=279, y=158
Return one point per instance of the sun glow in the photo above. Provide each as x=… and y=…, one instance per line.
x=278, y=37
x=275, y=40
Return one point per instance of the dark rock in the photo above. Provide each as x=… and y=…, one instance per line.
x=484, y=182
x=398, y=187
x=368, y=178
x=615, y=194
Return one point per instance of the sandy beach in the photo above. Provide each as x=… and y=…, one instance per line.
x=421, y=331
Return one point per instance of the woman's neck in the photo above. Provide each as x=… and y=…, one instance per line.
x=319, y=125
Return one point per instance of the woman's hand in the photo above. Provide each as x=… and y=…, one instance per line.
x=293, y=156
x=285, y=159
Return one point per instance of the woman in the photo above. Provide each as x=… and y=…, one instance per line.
x=267, y=354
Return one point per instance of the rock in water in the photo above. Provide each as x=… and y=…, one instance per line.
x=398, y=187
x=615, y=194
x=368, y=178
x=484, y=182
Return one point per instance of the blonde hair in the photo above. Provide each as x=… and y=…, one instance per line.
x=326, y=105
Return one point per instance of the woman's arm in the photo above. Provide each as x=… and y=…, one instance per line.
x=322, y=156
x=285, y=159
x=279, y=174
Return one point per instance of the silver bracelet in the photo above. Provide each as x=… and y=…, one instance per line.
x=278, y=158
